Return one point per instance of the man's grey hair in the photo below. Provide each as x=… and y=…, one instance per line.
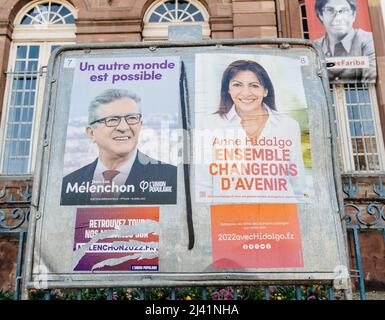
x=108, y=96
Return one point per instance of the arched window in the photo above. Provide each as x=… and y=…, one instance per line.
x=40, y=28
x=45, y=20
x=48, y=13
x=164, y=13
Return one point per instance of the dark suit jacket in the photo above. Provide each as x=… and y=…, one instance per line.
x=143, y=168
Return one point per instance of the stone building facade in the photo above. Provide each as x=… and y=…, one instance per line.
x=30, y=30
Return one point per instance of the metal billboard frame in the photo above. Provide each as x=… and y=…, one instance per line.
x=174, y=279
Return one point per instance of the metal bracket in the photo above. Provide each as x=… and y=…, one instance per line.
x=349, y=189
x=42, y=69
x=380, y=190
x=38, y=215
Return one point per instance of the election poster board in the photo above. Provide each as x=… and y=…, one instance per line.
x=122, y=120
x=117, y=239
x=252, y=203
x=343, y=31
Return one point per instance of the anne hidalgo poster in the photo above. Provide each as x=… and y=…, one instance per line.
x=252, y=157
x=343, y=31
x=122, y=139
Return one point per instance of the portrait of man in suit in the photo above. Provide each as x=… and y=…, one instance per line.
x=342, y=39
x=121, y=174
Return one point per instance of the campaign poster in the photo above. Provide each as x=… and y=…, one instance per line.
x=343, y=30
x=122, y=135
x=256, y=236
x=252, y=139
x=116, y=239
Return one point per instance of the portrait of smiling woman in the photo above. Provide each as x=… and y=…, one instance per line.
x=255, y=150
x=248, y=101
x=247, y=95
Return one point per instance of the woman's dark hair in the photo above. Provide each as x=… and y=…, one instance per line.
x=244, y=65
x=320, y=5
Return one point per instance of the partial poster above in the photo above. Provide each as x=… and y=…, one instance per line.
x=342, y=29
x=252, y=140
x=116, y=239
x=122, y=139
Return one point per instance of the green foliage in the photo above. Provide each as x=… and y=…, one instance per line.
x=37, y=294
x=252, y=293
x=282, y=293
x=315, y=292
x=193, y=293
x=305, y=146
x=94, y=294
x=6, y=295
x=152, y=293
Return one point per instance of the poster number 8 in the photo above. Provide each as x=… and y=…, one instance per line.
x=304, y=60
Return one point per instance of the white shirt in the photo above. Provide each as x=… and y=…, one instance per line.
x=279, y=127
x=119, y=179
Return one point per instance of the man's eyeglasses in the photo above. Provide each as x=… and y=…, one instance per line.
x=330, y=12
x=114, y=121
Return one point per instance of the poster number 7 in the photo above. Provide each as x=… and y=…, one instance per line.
x=69, y=63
